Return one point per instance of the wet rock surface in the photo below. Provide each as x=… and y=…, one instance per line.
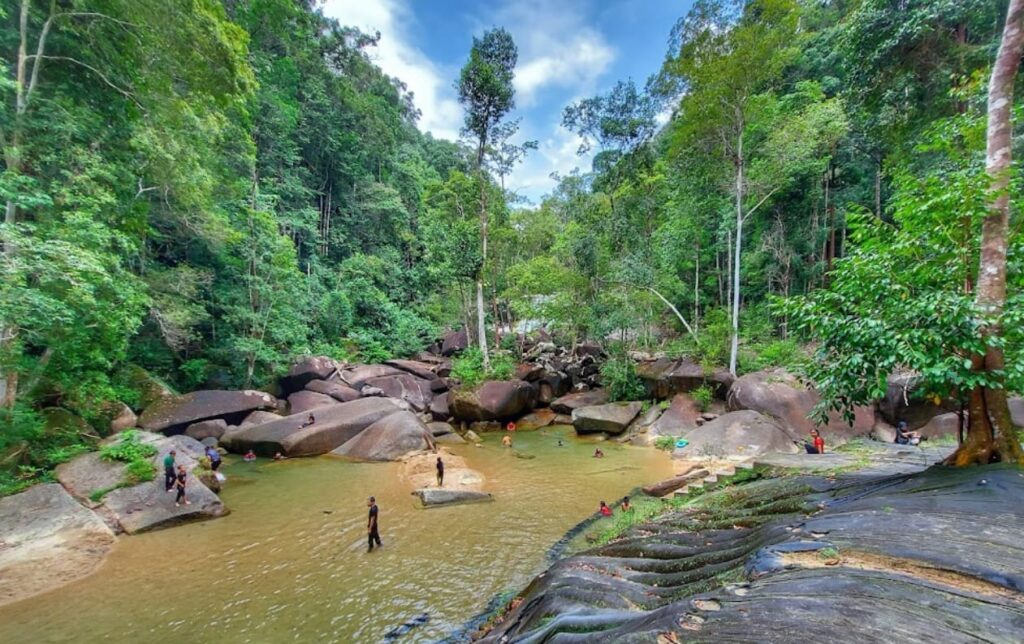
x=801, y=559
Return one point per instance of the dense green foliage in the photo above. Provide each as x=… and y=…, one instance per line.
x=207, y=189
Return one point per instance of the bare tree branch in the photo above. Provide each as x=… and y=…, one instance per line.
x=120, y=90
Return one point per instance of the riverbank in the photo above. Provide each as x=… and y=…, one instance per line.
x=854, y=553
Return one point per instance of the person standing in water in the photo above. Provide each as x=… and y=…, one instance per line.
x=371, y=525
x=440, y=472
x=169, y=471
x=179, y=484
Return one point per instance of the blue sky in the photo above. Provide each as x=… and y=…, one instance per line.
x=568, y=49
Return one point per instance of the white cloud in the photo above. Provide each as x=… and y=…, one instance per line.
x=556, y=47
x=556, y=153
x=398, y=57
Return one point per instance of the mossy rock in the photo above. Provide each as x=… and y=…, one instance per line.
x=147, y=387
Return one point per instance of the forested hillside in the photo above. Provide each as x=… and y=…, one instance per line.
x=209, y=188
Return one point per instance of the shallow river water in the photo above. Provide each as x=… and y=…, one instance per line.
x=290, y=563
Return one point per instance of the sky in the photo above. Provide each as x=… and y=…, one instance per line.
x=568, y=50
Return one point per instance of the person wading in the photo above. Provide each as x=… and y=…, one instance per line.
x=371, y=525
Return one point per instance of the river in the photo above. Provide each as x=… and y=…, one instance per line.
x=290, y=563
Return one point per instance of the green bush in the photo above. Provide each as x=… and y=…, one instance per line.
x=127, y=449
x=667, y=443
x=139, y=471
x=703, y=396
x=468, y=367
x=618, y=376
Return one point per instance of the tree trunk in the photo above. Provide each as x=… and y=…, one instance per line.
x=990, y=432
x=481, y=329
x=736, y=262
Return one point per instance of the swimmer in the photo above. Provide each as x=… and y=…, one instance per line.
x=605, y=510
x=506, y=440
x=249, y=457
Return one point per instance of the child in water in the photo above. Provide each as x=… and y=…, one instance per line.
x=249, y=457
x=605, y=510
x=625, y=507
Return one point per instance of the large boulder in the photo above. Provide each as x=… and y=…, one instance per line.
x=148, y=506
x=306, y=370
x=416, y=368
x=493, y=400
x=334, y=425
x=664, y=378
x=123, y=418
x=905, y=401
x=336, y=390
x=172, y=415
x=737, y=434
x=388, y=439
x=404, y=386
x=302, y=401
x=611, y=418
x=1016, y=410
x=680, y=418
x=47, y=539
x=453, y=342
x=536, y=419
x=206, y=429
x=148, y=388
x=439, y=408
x=258, y=418
x=779, y=394
x=941, y=426
x=356, y=377
x=552, y=385
x=569, y=402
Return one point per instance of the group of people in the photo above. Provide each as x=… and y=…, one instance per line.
x=607, y=511
x=903, y=436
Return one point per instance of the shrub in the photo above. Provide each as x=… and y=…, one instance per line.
x=703, y=396
x=667, y=443
x=128, y=449
x=618, y=375
x=468, y=367
x=139, y=471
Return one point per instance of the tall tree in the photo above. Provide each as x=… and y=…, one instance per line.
x=486, y=92
x=990, y=432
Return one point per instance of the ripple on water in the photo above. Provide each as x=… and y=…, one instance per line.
x=290, y=561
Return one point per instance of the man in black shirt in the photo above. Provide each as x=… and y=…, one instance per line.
x=371, y=524
x=440, y=472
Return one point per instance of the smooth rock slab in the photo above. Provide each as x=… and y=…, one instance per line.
x=432, y=497
x=493, y=400
x=335, y=424
x=173, y=414
x=612, y=418
x=388, y=439
x=738, y=434
x=46, y=540
x=302, y=401
x=335, y=390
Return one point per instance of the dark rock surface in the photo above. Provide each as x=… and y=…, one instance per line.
x=611, y=418
x=336, y=390
x=779, y=394
x=567, y=403
x=905, y=401
x=932, y=556
x=303, y=401
x=356, y=377
x=416, y=368
x=388, y=439
x=306, y=370
x=206, y=429
x=335, y=424
x=453, y=342
x=171, y=415
x=404, y=386
x=493, y=400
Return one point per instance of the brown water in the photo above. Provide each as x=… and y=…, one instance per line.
x=290, y=562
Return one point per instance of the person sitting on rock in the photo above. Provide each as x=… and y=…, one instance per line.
x=906, y=437
x=605, y=510
x=309, y=421
x=249, y=457
x=598, y=453
x=625, y=506
x=817, y=443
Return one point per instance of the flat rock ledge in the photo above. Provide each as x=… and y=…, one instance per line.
x=47, y=539
x=434, y=496
x=934, y=555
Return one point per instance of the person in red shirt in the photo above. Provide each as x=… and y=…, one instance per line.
x=817, y=444
x=605, y=510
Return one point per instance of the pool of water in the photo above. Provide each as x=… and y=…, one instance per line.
x=290, y=563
